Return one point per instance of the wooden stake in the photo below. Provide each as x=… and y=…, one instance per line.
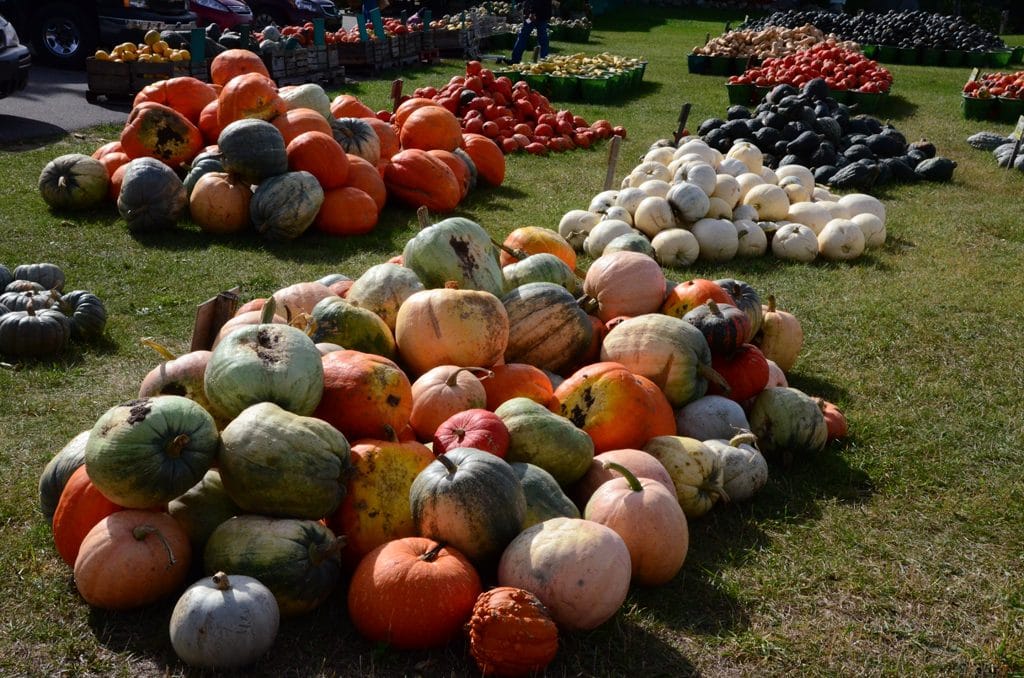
x=613, y=160
x=396, y=93
x=423, y=217
x=684, y=115
x=211, y=316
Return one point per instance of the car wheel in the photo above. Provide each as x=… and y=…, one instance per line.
x=263, y=17
x=63, y=35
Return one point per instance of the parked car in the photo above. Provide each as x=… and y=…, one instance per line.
x=224, y=13
x=294, y=13
x=64, y=32
x=15, y=60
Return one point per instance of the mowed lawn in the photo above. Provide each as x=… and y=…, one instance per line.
x=899, y=551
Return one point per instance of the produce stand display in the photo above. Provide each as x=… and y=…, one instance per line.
x=598, y=78
x=994, y=96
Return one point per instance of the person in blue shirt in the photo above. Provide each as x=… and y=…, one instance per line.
x=537, y=14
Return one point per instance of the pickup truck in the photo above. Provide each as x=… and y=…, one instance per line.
x=15, y=60
x=64, y=32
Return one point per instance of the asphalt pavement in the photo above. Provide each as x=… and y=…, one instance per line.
x=53, y=106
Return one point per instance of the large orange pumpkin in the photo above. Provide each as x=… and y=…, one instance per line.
x=319, y=154
x=417, y=178
x=346, y=211
x=250, y=95
x=365, y=177
x=511, y=633
x=365, y=395
x=617, y=408
x=157, y=131
x=406, y=108
x=458, y=167
x=109, y=147
x=690, y=294
x=295, y=121
x=430, y=127
x=529, y=240
x=349, y=106
x=116, y=179
x=185, y=94
x=80, y=507
x=488, y=158
x=229, y=63
x=219, y=203
x=111, y=161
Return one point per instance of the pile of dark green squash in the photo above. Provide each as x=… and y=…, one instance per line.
x=1001, y=147
x=38, y=319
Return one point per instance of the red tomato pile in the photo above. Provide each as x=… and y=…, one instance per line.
x=515, y=116
x=1005, y=85
x=392, y=26
x=842, y=69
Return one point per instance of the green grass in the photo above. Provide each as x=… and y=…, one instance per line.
x=896, y=552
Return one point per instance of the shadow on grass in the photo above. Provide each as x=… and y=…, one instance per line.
x=897, y=107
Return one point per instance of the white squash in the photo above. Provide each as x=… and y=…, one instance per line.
x=712, y=416
x=619, y=213
x=841, y=240
x=732, y=167
x=603, y=233
x=748, y=181
x=803, y=174
x=727, y=189
x=661, y=154
x=704, y=176
x=675, y=247
x=718, y=209
x=652, y=170
x=822, y=193
x=744, y=469
x=872, y=227
x=602, y=201
x=689, y=202
x=699, y=147
x=743, y=212
x=810, y=214
x=747, y=153
x=221, y=623
x=795, y=242
x=751, y=238
x=717, y=238
x=859, y=203
x=695, y=470
x=835, y=209
x=654, y=215
x=655, y=187
x=629, y=198
x=575, y=225
x=308, y=95
x=795, y=191
x=769, y=176
x=769, y=200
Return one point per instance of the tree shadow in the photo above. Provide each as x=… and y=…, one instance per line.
x=898, y=107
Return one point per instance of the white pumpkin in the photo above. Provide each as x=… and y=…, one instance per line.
x=661, y=154
x=699, y=147
x=751, y=238
x=602, y=201
x=652, y=170
x=748, y=181
x=732, y=167
x=575, y=225
x=835, y=209
x=743, y=212
x=717, y=238
x=711, y=416
x=803, y=174
x=629, y=198
x=809, y=214
x=747, y=153
x=744, y=469
x=718, y=209
x=655, y=187
x=769, y=176
x=795, y=242
x=795, y=191
x=654, y=215
x=222, y=623
x=841, y=240
x=618, y=212
x=704, y=176
x=308, y=95
x=603, y=233
x=675, y=247
x=690, y=202
x=769, y=200
x=859, y=203
x=727, y=189
x=822, y=193
x=872, y=227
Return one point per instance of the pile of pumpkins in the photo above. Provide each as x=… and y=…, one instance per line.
x=467, y=412
x=686, y=202
x=38, y=319
x=241, y=154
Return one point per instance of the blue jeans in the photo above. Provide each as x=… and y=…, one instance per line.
x=524, y=35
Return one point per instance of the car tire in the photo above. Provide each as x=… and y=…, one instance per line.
x=63, y=35
x=263, y=17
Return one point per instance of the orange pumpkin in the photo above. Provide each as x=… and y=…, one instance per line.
x=511, y=633
x=157, y=131
x=111, y=161
x=80, y=507
x=417, y=178
x=459, y=168
x=251, y=305
x=185, y=94
x=298, y=298
x=430, y=127
x=219, y=203
x=617, y=408
x=412, y=594
x=488, y=158
x=442, y=392
x=517, y=380
x=349, y=106
x=132, y=558
x=346, y=211
x=690, y=294
x=625, y=283
x=116, y=179
x=319, y=154
x=406, y=108
x=365, y=177
x=295, y=121
x=365, y=395
x=249, y=95
x=388, y=136
x=209, y=122
x=835, y=420
x=529, y=240
x=241, y=320
x=232, y=62
x=109, y=147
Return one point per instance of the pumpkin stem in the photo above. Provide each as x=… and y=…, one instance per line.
x=431, y=555
x=390, y=434
x=516, y=254
x=453, y=379
x=30, y=308
x=708, y=373
x=175, y=447
x=318, y=553
x=140, y=532
x=588, y=304
x=267, y=314
x=448, y=464
x=634, y=483
x=771, y=303
x=451, y=284
x=220, y=580
x=422, y=217
x=713, y=307
x=162, y=350
x=745, y=438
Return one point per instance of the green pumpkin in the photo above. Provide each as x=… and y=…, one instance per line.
x=382, y=289
x=152, y=196
x=74, y=182
x=267, y=362
x=204, y=163
x=357, y=137
x=630, y=242
x=455, y=250
x=542, y=267
x=339, y=322
x=57, y=471
x=788, y=424
x=474, y=173
x=33, y=334
x=20, y=300
x=203, y=508
x=146, y=452
x=253, y=150
x=87, y=314
x=276, y=463
x=283, y=207
x=49, y=276
x=544, y=497
x=470, y=500
x=540, y=437
x=547, y=327
x=6, y=277
x=298, y=560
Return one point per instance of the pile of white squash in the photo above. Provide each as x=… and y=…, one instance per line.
x=688, y=202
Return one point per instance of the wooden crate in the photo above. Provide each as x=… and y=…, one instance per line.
x=107, y=79
x=289, y=68
x=372, y=55
x=144, y=74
